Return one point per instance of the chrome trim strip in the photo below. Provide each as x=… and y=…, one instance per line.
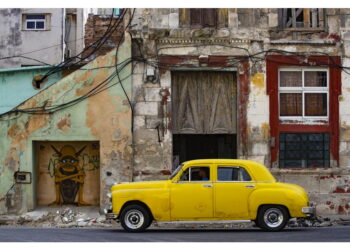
x=111, y=216
x=196, y=182
x=204, y=221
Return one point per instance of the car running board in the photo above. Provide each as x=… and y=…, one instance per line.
x=204, y=221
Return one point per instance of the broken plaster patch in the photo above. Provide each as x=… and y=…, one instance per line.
x=64, y=123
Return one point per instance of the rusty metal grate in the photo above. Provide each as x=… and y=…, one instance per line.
x=304, y=150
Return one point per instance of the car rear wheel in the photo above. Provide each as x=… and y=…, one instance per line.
x=135, y=218
x=272, y=218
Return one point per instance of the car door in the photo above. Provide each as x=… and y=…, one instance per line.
x=191, y=197
x=232, y=188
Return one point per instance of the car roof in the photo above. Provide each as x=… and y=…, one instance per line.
x=260, y=172
x=216, y=161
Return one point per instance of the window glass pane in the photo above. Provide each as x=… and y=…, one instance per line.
x=40, y=25
x=245, y=176
x=233, y=174
x=290, y=104
x=304, y=150
x=290, y=78
x=35, y=16
x=315, y=79
x=227, y=174
x=200, y=174
x=315, y=104
x=30, y=25
x=185, y=175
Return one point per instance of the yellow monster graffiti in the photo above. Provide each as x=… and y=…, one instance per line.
x=69, y=177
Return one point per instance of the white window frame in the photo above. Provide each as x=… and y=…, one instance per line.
x=303, y=90
x=35, y=20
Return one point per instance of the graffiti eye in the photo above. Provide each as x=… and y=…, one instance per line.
x=72, y=161
x=64, y=161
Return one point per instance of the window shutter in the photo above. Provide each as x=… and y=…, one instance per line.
x=209, y=17
x=196, y=15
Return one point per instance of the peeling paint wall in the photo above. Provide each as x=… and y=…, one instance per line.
x=166, y=32
x=104, y=118
x=15, y=40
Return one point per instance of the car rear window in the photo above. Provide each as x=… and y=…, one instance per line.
x=233, y=174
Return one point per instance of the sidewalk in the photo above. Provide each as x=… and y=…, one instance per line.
x=65, y=217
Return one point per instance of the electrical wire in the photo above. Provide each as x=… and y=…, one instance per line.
x=96, y=46
x=259, y=56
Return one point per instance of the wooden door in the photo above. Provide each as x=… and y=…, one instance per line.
x=203, y=102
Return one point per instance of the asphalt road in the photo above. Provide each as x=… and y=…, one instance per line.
x=321, y=234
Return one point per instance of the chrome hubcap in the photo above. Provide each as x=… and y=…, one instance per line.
x=134, y=219
x=273, y=217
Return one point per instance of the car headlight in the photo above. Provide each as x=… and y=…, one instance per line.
x=109, y=195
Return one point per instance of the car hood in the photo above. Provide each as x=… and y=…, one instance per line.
x=139, y=185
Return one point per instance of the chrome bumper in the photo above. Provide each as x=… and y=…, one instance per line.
x=309, y=210
x=109, y=214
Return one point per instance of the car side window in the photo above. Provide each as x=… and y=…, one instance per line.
x=233, y=174
x=196, y=174
x=185, y=175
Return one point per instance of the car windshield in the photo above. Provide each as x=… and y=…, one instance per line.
x=175, y=171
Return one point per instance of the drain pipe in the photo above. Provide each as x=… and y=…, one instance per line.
x=63, y=33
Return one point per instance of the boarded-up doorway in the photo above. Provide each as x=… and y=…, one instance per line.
x=68, y=173
x=204, y=116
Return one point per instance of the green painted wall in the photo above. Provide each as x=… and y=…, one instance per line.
x=16, y=85
x=104, y=117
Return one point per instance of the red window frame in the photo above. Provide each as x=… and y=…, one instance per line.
x=273, y=63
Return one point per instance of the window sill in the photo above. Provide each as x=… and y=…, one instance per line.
x=35, y=30
x=304, y=122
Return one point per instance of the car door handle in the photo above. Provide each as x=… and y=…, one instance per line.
x=208, y=186
x=250, y=186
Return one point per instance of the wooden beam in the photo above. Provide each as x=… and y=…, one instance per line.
x=294, y=18
x=306, y=18
x=314, y=17
x=321, y=18
x=285, y=11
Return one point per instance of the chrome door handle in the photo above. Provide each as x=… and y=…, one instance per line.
x=208, y=186
x=250, y=186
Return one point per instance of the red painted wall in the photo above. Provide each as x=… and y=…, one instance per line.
x=273, y=62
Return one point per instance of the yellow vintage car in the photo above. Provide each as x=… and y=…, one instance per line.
x=210, y=190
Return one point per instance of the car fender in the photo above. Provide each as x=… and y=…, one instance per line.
x=272, y=196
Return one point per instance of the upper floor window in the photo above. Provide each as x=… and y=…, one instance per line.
x=202, y=18
x=302, y=18
x=35, y=22
x=303, y=93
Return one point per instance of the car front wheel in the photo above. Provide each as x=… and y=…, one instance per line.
x=272, y=218
x=135, y=218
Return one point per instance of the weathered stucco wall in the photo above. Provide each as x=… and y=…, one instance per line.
x=160, y=32
x=14, y=40
x=104, y=117
x=47, y=46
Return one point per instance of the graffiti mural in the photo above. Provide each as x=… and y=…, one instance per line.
x=71, y=175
